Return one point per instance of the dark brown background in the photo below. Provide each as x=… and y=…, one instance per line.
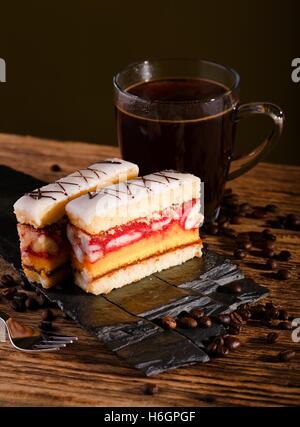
x=61, y=57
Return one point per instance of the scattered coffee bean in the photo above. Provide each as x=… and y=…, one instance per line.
x=283, y=315
x=221, y=350
x=236, y=318
x=20, y=296
x=284, y=256
x=31, y=303
x=168, y=322
x=284, y=274
x=149, y=389
x=17, y=305
x=245, y=208
x=286, y=355
x=188, y=322
x=268, y=235
x=48, y=315
x=41, y=300
x=55, y=168
x=271, y=264
x=244, y=313
x=213, y=230
x=247, y=246
x=272, y=337
x=268, y=244
x=271, y=208
x=239, y=254
x=197, y=313
x=234, y=329
x=205, y=322
x=267, y=253
x=232, y=343
x=285, y=325
x=258, y=312
x=258, y=213
x=45, y=325
x=8, y=281
x=236, y=219
x=224, y=319
x=212, y=347
x=231, y=288
x=9, y=293
x=243, y=237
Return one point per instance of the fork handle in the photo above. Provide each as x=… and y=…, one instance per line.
x=4, y=316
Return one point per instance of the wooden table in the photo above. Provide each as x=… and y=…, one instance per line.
x=89, y=374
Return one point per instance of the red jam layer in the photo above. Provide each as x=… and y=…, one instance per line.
x=95, y=247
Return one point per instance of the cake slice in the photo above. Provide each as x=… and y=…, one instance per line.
x=127, y=231
x=45, y=250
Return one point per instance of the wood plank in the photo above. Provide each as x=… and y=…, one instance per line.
x=88, y=374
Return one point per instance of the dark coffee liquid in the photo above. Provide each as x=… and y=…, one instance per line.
x=200, y=146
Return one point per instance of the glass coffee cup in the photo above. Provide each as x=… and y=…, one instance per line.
x=182, y=115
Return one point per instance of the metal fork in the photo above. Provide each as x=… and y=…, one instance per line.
x=38, y=341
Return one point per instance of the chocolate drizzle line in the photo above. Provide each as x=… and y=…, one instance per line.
x=167, y=177
x=108, y=162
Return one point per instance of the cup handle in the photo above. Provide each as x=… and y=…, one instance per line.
x=241, y=165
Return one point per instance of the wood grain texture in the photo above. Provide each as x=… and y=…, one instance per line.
x=90, y=375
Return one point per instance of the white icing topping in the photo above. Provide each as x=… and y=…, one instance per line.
x=137, y=198
x=46, y=205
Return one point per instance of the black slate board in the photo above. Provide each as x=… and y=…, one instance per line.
x=127, y=318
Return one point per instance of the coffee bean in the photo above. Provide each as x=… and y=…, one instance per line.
x=247, y=246
x=285, y=325
x=211, y=347
x=221, y=350
x=205, y=322
x=229, y=232
x=197, y=313
x=244, y=313
x=20, y=296
x=17, y=305
x=295, y=225
x=245, y=207
x=55, y=168
x=284, y=274
x=9, y=293
x=31, y=303
x=268, y=235
x=258, y=213
x=41, y=300
x=232, y=343
x=45, y=325
x=219, y=340
x=283, y=315
x=271, y=312
x=267, y=253
x=291, y=217
x=26, y=285
x=168, y=322
x=183, y=313
x=271, y=264
x=243, y=237
x=222, y=219
x=240, y=254
x=234, y=329
x=231, y=288
x=224, y=319
x=271, y=208
x=8, y=281
x=258, y=312
x=236, y=318
x=236, y=219
x=48, y=315
x=268, y=244
x=149, y=389
x=188, y=322
x=286, y=355
x=213, y=230
x=284, y=256
x=272, y=337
